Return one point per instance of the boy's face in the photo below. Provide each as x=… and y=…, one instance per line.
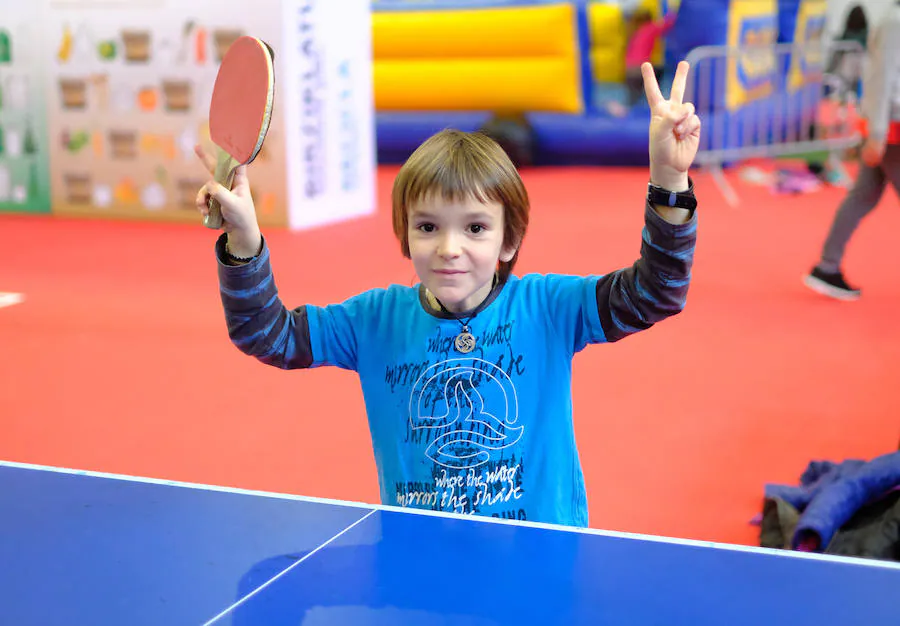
x=455, y=246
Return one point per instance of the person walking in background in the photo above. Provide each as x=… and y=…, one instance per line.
x=847, y=64
x=880, y=157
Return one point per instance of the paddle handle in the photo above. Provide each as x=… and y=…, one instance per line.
x=224, y=175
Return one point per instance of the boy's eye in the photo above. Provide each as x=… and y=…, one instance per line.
x=476, y=228
x=426, y=227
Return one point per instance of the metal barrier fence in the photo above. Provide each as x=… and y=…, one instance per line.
x=776, y=100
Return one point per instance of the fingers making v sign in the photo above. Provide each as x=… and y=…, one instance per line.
x=674, y=130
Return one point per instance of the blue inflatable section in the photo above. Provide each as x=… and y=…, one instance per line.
x=799, y=98
x=398, y=134
x=591, y=139
x=558, y=139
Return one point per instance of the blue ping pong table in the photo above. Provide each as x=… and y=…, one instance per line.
x=88, y=549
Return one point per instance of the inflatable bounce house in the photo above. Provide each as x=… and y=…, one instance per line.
x=545, y=72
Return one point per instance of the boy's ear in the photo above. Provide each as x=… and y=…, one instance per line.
x=507, y=253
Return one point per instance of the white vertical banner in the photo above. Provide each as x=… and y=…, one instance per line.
x=324, y=83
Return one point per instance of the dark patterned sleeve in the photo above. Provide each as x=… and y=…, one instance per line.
x=258, y=323
x=655, y=287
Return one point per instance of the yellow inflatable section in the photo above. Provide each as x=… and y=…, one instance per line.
x=499, y=59
x=607, y=27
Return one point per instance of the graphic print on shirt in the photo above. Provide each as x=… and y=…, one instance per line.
x=448, y=400
x=463, y=418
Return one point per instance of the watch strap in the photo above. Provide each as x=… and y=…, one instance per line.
x=666, y=197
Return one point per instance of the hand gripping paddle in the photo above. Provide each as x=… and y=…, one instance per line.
x=240, y=111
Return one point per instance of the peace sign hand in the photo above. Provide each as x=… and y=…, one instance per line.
x=674, y=130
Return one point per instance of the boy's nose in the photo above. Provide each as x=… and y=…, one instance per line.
x=449, y=246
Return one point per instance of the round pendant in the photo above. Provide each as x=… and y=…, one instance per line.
x=465, y=342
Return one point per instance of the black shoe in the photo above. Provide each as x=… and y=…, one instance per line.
x=832, y=285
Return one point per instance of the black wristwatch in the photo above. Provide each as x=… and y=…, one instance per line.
x=664, y=197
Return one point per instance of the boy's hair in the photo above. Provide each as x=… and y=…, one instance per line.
x=459, y=165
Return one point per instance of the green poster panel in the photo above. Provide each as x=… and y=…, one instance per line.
x=24, y=160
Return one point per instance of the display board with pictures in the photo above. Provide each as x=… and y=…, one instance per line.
x=24, y=163
x=129, y=91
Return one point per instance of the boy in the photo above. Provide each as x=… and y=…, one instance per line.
x=467, y=375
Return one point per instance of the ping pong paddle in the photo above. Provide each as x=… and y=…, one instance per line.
x=240, y=111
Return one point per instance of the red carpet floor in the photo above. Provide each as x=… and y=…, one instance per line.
x=118, y=360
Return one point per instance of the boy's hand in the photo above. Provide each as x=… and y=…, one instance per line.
x=674, y=130
x=873, y=152
x=244, y=238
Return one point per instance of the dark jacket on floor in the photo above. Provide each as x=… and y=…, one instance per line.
x=847, y=508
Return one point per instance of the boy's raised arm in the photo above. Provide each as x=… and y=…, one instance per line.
x=655, y=287
x=258, y=322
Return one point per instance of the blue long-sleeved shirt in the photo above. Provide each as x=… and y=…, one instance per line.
x=489, y=432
